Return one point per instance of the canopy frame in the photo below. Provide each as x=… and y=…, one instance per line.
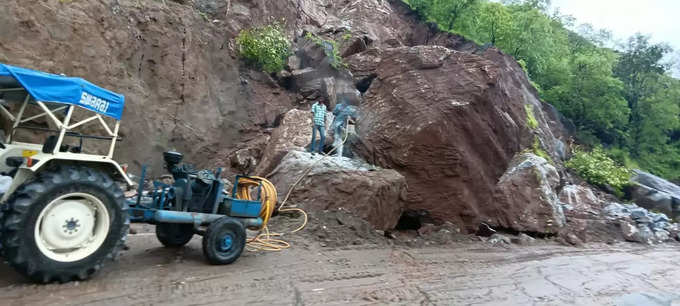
x=63, y=126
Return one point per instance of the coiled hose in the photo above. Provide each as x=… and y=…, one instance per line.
x=264, y=240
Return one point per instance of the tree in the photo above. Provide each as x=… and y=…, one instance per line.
x=495, y=23
x=537, y=40
x=592, y=97
x=660, y=115
x=422, y=7
x=625, y=99
x=454, y=8
x=640, y=68
x=541, y=5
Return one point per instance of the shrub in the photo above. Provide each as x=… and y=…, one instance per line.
x=330, y=48
x=599, y=169
x=265, y=47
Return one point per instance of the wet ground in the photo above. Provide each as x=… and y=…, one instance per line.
x=471, y=273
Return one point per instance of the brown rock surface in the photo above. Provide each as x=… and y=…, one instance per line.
x=450, y=122
x=375, y=195
x=294, y=133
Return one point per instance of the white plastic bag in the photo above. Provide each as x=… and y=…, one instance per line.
x=5, y=182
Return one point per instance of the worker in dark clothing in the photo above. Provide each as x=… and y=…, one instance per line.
x=343, y=112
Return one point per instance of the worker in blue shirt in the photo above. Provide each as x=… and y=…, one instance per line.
x=319, y=123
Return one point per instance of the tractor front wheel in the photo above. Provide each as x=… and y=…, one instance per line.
x=224, y=241
x=64, y=224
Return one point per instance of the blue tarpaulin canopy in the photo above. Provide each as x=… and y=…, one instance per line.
x=54, y=88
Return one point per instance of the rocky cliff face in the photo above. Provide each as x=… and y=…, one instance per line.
x=439, y=110
x=184, y=86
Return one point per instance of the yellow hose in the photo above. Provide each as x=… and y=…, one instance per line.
x=264, y=240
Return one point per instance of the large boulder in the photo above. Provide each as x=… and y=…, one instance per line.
x=376, y=195
x=526, y=198
x=293, y=133
x=450, y=122
x=655, y=193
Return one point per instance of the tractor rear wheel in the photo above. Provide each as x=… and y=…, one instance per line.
x=64, y=224
x=224, y=241
x=174, y=235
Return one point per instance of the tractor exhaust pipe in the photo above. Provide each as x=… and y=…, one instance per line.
x=167, y=216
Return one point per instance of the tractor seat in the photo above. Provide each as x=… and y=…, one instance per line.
x=51, y=142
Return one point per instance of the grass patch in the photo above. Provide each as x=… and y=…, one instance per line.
x=532, y=123
x=536, y=149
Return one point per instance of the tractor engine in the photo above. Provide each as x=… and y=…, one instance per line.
x=194, y=190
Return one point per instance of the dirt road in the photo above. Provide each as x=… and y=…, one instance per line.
x=461, y=274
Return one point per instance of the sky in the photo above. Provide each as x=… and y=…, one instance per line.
x=660, y=18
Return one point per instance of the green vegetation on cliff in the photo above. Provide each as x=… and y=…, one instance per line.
x=599, y=169
x=622, y=99
x=265, y=47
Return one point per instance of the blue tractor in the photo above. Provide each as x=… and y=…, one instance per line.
x=196, y=203
x=63, y=213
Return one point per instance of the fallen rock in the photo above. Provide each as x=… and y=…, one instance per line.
x=655, y=193
x=293, y=63
x=662, y=236
x=498, y=239
x=353, y=46
x=629, y=231
x=639, y=225
x=523, y=239
x=526, y=196
x=451, y=137
x=641, y=234
x=645, y=234
x=427, y=228
x=616, y=211
x=306, y=79
x=638, y=213
x=572, y=239
x=244, y=161
x=674, y=230
x=579, y=200
x=294, y=133
x=373, y=194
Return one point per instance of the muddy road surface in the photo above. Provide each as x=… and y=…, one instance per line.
x=308, y=274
